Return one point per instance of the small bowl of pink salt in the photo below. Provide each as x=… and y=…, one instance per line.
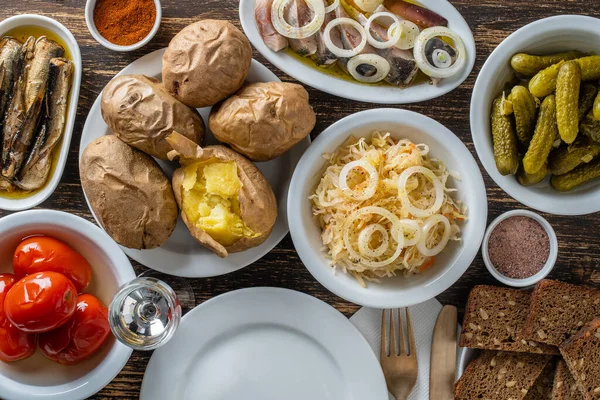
x=519, y=248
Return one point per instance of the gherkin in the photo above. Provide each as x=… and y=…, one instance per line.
x=504, y=140
x=546, y=133
x=568, y=82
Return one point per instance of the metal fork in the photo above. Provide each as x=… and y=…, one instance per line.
x=399, y=366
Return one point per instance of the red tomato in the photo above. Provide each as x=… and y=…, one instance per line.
x=14, y=344
x=43, y=253
x=41, y=302
x=82, y=336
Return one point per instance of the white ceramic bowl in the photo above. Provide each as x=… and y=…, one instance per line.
x=37, y=377
x=69, y=40
x=550, y=35
x=89, y=20
x=449, y=264
x=532, y=280
x=313, y=76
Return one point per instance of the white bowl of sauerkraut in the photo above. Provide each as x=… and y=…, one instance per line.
x=387, y=208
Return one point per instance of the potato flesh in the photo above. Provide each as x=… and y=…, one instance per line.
x=210, y=200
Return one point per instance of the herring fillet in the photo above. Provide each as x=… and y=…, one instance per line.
x=298, y=14
x=36, y=169
x=36, y=71
x=262, y=15
x=324, y=56
x=10, y=50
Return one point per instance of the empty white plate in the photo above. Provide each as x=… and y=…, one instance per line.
x=264, y=344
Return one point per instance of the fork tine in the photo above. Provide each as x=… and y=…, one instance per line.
x=411, y=336
x=393, y=347
x=383, y=335
x=402, y=341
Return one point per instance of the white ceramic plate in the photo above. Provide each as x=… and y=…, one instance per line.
x=264, y=343
x=313, y=76
x=550, y=35
x=69, y=40
x=181, y=255
x=449, y=265
x=38, y=378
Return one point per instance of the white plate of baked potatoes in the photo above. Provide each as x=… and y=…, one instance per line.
x=157, y=179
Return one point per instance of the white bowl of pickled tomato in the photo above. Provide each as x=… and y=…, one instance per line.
x=398, y=290
x=58, y=273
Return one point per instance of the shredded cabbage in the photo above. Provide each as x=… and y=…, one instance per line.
x=343, y=216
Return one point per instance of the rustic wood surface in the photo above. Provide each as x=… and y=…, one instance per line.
x=490, y=20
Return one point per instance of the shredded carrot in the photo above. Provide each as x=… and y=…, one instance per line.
x=427, y=264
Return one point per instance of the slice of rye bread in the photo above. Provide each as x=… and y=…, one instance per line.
x=558, y=310
x=542, y=388
x=564, y=387
x=494, y=317
x=582, y=355
x=500, y=375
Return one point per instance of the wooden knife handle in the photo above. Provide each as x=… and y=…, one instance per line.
x=443, y=356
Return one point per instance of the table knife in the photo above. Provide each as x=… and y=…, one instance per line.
x=443, y=356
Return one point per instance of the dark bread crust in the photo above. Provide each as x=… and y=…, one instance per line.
x=582, y=355
x=494, y=318
x=558, y=310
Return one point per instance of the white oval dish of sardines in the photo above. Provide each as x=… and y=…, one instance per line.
x=38, y=107
x=392, y=52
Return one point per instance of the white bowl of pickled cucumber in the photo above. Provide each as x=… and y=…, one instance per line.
x=535, y=115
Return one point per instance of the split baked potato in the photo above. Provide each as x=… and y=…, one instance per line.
x=128, y=193
x=206, y=62
x=263, y=120
x=140, y=112
x=226, y=202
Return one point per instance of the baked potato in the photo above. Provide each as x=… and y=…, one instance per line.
x=263, y=120
x=226, y=202
x=206, y=62
x=140, y=112
x=128, y=193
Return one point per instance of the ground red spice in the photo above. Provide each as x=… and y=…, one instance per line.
x=124, y=22
x=519, y=247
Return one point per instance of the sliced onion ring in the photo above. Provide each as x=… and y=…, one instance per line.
x=421, y=57
x=381, y=64
x=399, y=237
x=364, y=239
x=332, y=6
x=413, y=228
x=339, y=52
x=430, y=223
x=403, y=194
x=297, y=32
x=407, y=34
x=392, y=39
x=369, y=191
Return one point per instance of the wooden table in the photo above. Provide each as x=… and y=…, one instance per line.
x=490, y=20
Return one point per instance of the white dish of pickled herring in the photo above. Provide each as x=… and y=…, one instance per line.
x=393, y=53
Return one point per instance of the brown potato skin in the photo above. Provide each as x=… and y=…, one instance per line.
x=258, y=205
x=140, y=111
x=128, y=192
x=206, y=62
x=263, y=120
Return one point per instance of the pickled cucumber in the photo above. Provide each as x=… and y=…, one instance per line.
x=597, y=107
x=544, y=136
x=568, y=82
x=590, y=127
x=579, y=176
x=567, y=158
x=525, y=109
x=504, y=139
x=526, y=179
x=587, y=94
x=529, y=65
x=544, y=82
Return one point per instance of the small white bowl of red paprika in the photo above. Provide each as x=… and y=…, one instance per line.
x=519, y=248
x=123, y=25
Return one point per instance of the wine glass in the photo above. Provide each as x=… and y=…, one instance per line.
x=145, y=313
